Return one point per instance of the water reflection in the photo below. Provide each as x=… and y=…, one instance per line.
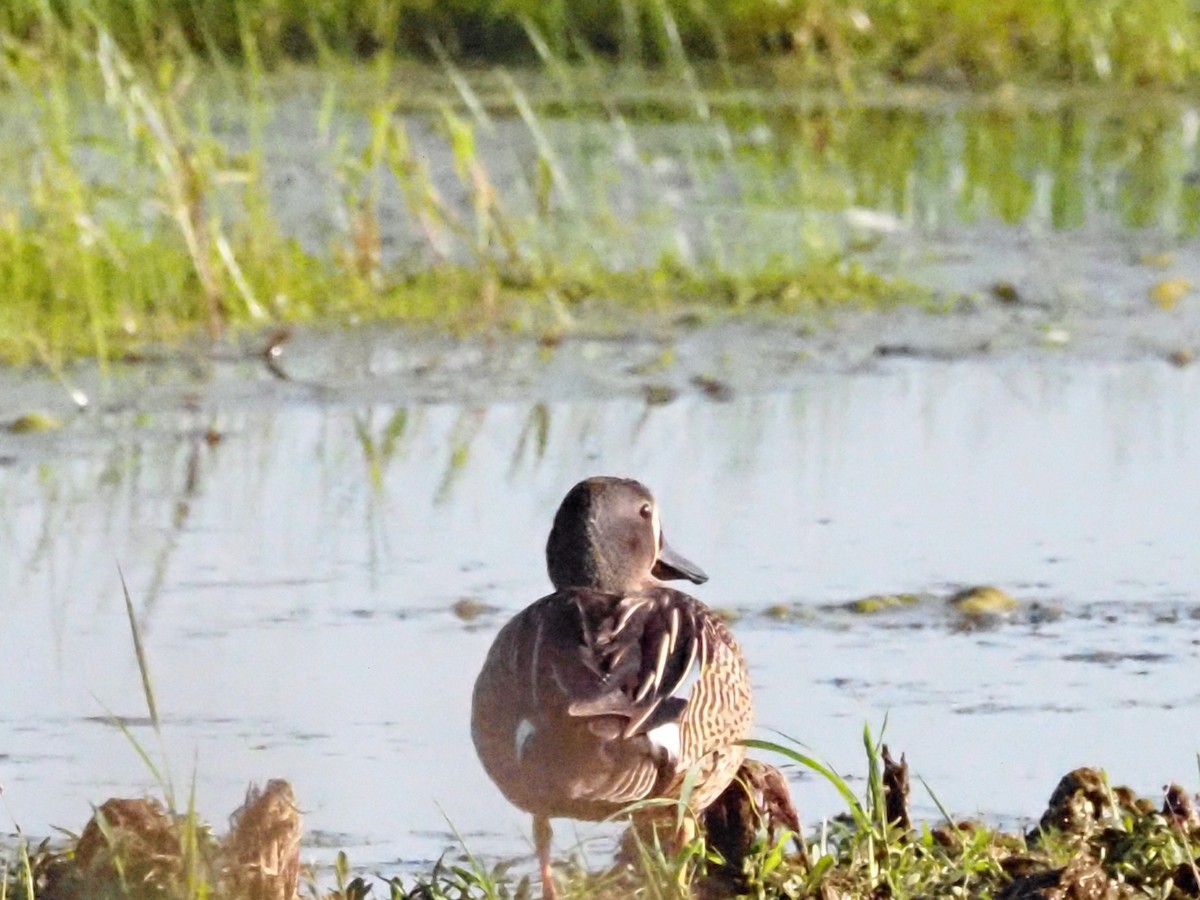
x=768, y=181
x=767, y=178
x=1054, y=162
x=296, y=567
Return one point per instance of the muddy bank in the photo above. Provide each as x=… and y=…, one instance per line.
x=1093, y=841
x=1043, y=300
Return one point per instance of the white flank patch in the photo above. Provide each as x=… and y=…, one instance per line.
x=525, y=732
x=667, y=738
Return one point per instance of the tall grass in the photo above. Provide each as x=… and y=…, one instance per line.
x=124, y=220
x=139, y=204
x=1128, y=41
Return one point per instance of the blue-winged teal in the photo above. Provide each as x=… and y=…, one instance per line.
x=609, y=690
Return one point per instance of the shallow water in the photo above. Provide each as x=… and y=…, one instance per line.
x=294, y=560
x=622, y=174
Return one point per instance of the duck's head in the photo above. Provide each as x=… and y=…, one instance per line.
x=607, y=536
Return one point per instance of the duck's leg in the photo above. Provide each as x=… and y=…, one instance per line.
x=541, y=841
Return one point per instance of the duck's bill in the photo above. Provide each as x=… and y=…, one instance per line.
x=671, y=565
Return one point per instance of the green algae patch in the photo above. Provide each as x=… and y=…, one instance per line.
x=983, y=600
x=877, y=603
x=780, y=612
x=789, y=613
x=33, y=423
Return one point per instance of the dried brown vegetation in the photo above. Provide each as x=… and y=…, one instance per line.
x=136, y=848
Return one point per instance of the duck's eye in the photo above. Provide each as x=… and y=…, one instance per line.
x=645, y=511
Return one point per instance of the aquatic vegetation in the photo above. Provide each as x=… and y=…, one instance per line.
x=31, y=423
x=133, y=221
x=1167, y=294
x=1129, y=41
x=881, y=602
x=983, y=600
x=141, y=202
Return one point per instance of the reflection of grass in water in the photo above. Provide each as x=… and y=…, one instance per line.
x=537, y=426
x=467, y=427
x=379, y=448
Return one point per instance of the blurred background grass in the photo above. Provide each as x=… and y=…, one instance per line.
x=475, y=164
x=1124, y=41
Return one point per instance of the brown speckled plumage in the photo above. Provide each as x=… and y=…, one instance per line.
x=612, y=688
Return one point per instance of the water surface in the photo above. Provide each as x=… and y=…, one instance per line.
x=294, y=560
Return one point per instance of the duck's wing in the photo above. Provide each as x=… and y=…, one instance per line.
x=645, y=653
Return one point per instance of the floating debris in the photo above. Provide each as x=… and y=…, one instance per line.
x=901, y=350
x=471, y=608
x=1157, y=260
x=271, y=351
x=726, y=614
x=780, y=612
x=1006, y=292
x=713, y=388
x=982, y=601
x=786, y=612
x=1056, y=337
x=1114, y=657
x=658, y=363
x=659, y=394
x=33, y=423
x=1167, y=294
x=876, y=603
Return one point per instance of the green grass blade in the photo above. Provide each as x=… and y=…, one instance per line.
x=936, y=802
x=861, y=818
x=140, y=652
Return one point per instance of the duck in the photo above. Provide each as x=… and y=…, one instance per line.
x=615, y=687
